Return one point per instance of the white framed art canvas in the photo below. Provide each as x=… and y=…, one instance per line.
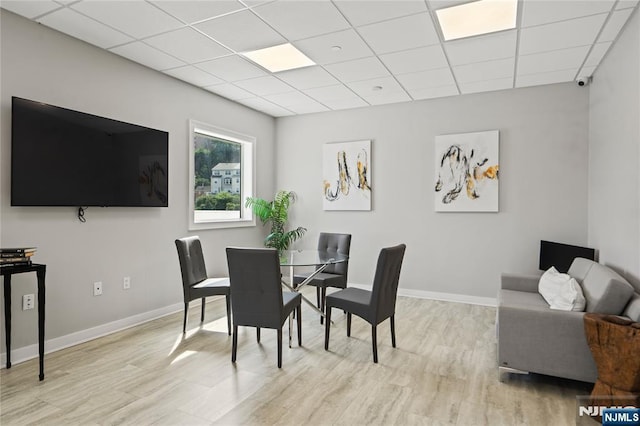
x=346, y=175
x=466, y=172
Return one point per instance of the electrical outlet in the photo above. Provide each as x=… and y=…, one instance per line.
x=27, y=302
x=126, y=283
x=97, y=288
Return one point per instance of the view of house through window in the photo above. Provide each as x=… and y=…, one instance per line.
x=215, y=160
x=221, y=175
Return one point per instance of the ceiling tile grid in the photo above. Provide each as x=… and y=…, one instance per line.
x=367, y=52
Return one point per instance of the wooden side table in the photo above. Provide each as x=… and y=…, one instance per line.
x=8, y=272
x=615, y=344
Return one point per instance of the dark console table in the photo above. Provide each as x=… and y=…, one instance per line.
x=7, y=272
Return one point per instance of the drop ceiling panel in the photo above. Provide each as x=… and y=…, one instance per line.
x=413, y=60
x=380, y=91
x=136, y=18
x=241, y=31
x=427, y=79
x=302, y=19
x=296, y=102
x=597, y=52
x=289, y=98
x=147, y=55
x=191, y=11
x=265, y=106
x=400, y=34
x=230, y=91
x=367, y=12
x=560, y=35
x=331, y=93
x=340, y=46
x=30, y=9
x=487, y=85
x=194, y=76
x=479, y=71
x=545, y=78
x=263, y=86
x=76, y=25
x=624, y=4
x=308, y=77
x=360, y=69
x=433, y=92
x=544, y=12
x=614, y=25
x=484, y=48
x=338, y=104
x=188, y=45
x=231, y=68
x=552, y=61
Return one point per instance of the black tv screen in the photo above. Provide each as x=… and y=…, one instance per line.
x=61, y=157
x=561, y=255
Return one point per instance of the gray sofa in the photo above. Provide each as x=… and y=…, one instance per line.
x=535, y=338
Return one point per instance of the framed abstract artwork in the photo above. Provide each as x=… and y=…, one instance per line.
x=346, y=175
x=466, y=172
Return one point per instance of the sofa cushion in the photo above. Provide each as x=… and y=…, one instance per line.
x=606, y=292
x=561, y=291
x=579, y=268
x=522, y=299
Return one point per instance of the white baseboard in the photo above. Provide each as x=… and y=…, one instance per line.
x=26, y=353
x=445, y=297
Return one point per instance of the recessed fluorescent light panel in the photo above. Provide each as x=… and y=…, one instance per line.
x=279, y=58
x=476, y=18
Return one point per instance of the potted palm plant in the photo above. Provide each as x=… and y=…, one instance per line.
x=276, y=212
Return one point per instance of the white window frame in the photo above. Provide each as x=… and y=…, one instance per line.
x=247, y=176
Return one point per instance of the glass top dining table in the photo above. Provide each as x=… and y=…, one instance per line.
x=310, y=258
x=316, y=258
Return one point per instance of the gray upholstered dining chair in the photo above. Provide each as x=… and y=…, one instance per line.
x=334, y=275
x=195, y=282
x=373, y=306
x=258, y=300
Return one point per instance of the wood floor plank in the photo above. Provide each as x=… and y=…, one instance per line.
x=443, y=372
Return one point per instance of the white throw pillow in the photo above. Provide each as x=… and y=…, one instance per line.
x=561, y=291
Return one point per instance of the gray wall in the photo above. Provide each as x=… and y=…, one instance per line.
x=543, y=185
x=614, y=155
x=41, y=64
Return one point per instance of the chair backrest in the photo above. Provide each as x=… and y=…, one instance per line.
x=191, y=259
x=385, y=282
x=256, y=291
x=335, y=243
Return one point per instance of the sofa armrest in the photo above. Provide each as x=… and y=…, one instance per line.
x=528, y=283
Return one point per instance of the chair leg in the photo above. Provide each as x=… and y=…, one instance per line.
x=323, y=296
x=258, y=334
x=393, y=331
x=327, y=327
x=234, y=345
x=280, y=347
x=374, y=340
x=299, y=309
x=228, y=314
x=348, y=324
x=184, y=323
x=202, y=311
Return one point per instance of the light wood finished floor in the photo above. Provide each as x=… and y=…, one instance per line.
x=443, y=372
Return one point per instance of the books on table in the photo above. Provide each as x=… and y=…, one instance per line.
x=16, y=256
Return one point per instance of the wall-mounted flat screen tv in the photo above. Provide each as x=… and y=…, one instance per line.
x=61, y=157
x=561, y=255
